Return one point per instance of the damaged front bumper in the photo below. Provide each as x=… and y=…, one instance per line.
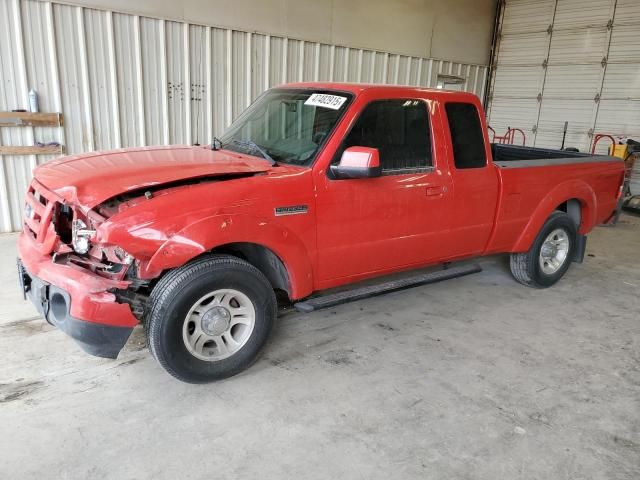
x=76, y=301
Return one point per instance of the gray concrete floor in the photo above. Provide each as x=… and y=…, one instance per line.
x=474, y=378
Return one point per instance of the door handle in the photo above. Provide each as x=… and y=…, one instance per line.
x=436, y=191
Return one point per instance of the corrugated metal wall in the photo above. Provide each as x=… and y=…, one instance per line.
x=568, y=60
x=122, y=80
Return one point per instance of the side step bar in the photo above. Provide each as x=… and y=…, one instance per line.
x=333, y=299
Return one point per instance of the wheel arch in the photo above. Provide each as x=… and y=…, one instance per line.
x=261, y=257
x=576, y=198
x=572, y=207
x=278, y=253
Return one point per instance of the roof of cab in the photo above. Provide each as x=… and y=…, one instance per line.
x=357, y=88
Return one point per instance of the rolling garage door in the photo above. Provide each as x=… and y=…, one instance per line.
x=518, y=74
x=575, y=61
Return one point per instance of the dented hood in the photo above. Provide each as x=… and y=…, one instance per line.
x=92, y=178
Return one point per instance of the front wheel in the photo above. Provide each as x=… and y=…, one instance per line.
x=549, y=257
x=209, y=319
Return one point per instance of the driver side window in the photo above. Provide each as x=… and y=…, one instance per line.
x=399, y=129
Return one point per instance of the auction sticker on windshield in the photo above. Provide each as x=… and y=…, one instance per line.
x=334, y=102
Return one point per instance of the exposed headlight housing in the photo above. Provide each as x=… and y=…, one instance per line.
x=81, y=236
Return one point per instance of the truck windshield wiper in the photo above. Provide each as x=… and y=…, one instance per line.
x=253, y=146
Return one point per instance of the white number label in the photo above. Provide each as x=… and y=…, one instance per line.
x=334, y=102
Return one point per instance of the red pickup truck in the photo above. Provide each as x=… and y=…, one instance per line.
x=314, y=186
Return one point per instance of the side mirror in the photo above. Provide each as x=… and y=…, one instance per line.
x=358, y=162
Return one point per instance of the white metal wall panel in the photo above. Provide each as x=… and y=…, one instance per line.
x=517, y=82
x=367, y=69
x=401, y=74
x=260, y=67
x=519, y=72
x=514, y=112
x=177, y=88
x=221, y=79
x=12, y=95
x=572, y=82
x=198, y=97
x=627, y=12
x=554, y=112
x=128, y=100
x=338, y=70
x=524, y=49
x=620, y=117
x=74, y=78
x=624, y=44
x=350, y=65
x=278, y=60
x=573, y=77
x=296, y=60
x=311, y=67
x=619, y=109
x=592, y=73
x=622, y=82
x=102, y=82
x=581, y=14
x=121, y=80
x=575, y=71
x=619, y=106
x=240, y=72
x=553, y=138
x=582, y=46
x=41, y=64
x=380, y=68
x=525, y=16
x=150, y=49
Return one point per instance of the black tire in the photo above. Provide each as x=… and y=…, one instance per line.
x=180, y=289
x=526, y=268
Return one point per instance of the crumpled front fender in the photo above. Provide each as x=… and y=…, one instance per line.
x=215, y=231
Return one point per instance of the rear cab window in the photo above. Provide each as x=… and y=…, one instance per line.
x=399, y=129
x=467, y=139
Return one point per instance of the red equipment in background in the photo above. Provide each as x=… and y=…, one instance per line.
x=599, y=136
x=509, y=137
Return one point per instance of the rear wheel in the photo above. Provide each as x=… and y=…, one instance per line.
x=209, y=319
x=550, y=256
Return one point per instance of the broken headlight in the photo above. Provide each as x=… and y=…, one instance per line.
x=81, y=237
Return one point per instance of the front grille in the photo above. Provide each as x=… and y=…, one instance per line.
x=39, y=217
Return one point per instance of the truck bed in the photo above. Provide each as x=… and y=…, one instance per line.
x=526, y=187
x=503, y=155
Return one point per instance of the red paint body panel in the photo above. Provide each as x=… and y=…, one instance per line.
x=90, y=299
x=74, y=178
x=528, y=200
x=350, y=230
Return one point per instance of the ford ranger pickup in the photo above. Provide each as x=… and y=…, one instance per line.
x=314, y=186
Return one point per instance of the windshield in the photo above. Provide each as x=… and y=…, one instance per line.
x=287, y=125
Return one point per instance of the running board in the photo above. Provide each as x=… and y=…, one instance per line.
x=373, y=290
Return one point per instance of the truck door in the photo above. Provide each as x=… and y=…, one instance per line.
x=369, y=225
x=475, y=180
